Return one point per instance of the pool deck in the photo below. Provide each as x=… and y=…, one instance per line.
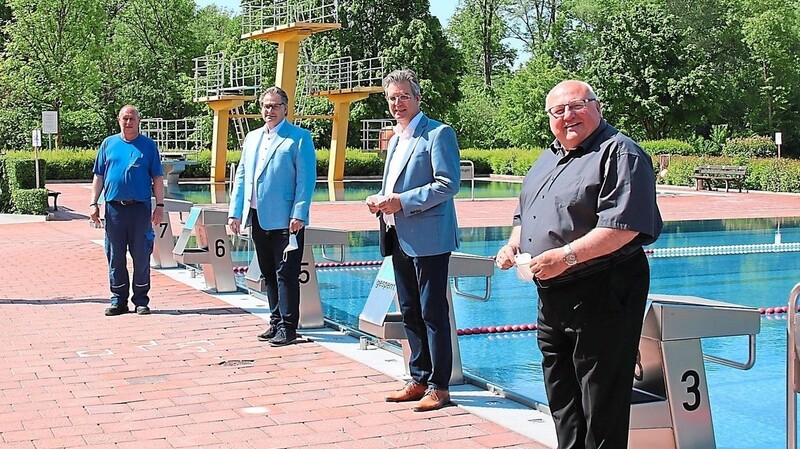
x=71, y=377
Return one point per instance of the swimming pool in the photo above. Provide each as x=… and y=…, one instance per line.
x=200, y=193
x=748, y=407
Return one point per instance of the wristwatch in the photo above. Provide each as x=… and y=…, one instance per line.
x=569, y=257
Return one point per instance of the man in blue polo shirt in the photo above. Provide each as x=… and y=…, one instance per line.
x=128, y=170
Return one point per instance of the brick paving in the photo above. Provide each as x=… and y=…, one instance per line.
x=71, y=377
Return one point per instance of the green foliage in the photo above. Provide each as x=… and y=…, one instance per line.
x=775, y=175
x=356, y=163
x=30, y=201
x=22, y=173
x=767, y=174
x=82, y=128
x=507, y=161
x=521, y=120
x=750, y=147
x=480, y=158
x=5, y=189
x=478, y=31
x=645, y=70
x=667, y=146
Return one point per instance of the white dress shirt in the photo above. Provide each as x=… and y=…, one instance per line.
x=405, y=139
x=268, y=136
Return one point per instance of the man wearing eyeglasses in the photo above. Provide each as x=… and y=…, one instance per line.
x=272, y=194
x=587, y=206
x=419, y=230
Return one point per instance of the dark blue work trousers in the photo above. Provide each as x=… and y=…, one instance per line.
x=282, y=277
x=128, y=229
x=422, y=293
x=589, y=332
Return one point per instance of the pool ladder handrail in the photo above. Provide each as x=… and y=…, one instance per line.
x=792, y=372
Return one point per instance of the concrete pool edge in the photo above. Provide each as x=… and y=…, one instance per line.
x=505, y=412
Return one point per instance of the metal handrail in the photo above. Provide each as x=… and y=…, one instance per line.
x=484, y=298
x=341, y=253
x=751, y=359
x=471, y=166
x=791, y=370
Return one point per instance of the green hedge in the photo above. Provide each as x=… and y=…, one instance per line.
x=766, y=174
x=30, y=201
x=5, y=189
x=18, y=191
x=668, y=146
x=750, y=147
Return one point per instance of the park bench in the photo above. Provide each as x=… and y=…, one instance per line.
x=707, y=175
x=53, y=194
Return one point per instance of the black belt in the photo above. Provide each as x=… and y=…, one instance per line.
x=125, y=202
x=584, y=273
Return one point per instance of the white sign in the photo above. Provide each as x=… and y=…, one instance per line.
x=50, y=122
x=36, y=138
x=778, y=138
x=467, y=170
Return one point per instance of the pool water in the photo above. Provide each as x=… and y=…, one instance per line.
x=200, y=193
x=748, y=407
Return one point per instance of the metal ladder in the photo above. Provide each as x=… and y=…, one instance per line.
x=240, y=124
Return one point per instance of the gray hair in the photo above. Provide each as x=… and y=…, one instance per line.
x=401, y=75
x=132, y=107
x=274, y=90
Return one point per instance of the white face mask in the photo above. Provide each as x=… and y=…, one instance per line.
x=291, y=246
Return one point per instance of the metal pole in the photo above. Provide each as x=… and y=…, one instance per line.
x=791, y=370
x=36, y=164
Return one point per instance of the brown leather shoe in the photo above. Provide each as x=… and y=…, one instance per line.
x=412, y=391
x=434, y=400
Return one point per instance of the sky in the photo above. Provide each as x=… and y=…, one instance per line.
x=443, y=9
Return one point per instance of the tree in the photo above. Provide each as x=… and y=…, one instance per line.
x=771, y=32
x=477, y=30
x=648, y=74
x=521, y=119
x=534, y=22
x=405, y=35
x=5, y=17
x=51, y=55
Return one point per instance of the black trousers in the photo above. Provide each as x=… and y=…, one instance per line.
x=589, y=334
x=422, y=293
x=282, y=277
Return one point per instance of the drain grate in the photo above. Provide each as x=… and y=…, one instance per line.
x=237, y=363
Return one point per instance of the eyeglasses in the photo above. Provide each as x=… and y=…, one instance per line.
x=559, y=110
x=399, y=99
x=270, y=106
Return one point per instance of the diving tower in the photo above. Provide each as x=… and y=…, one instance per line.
x=342, y=81
x=225, y=84
x=287, y=23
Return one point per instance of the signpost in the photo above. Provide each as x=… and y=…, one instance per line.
x=49, y=125
x=36, y=139
x=778, y=142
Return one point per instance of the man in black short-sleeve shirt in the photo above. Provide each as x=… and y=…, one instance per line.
x=587, y=206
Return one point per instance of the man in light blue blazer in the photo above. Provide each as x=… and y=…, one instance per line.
x=419, y=230
x=272, y=194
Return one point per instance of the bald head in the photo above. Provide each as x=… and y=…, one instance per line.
x=574, y=112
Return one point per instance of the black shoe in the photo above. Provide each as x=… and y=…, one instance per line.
x=142, y=310
x=283, y=337
x=269, y=334
x=117, y=310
